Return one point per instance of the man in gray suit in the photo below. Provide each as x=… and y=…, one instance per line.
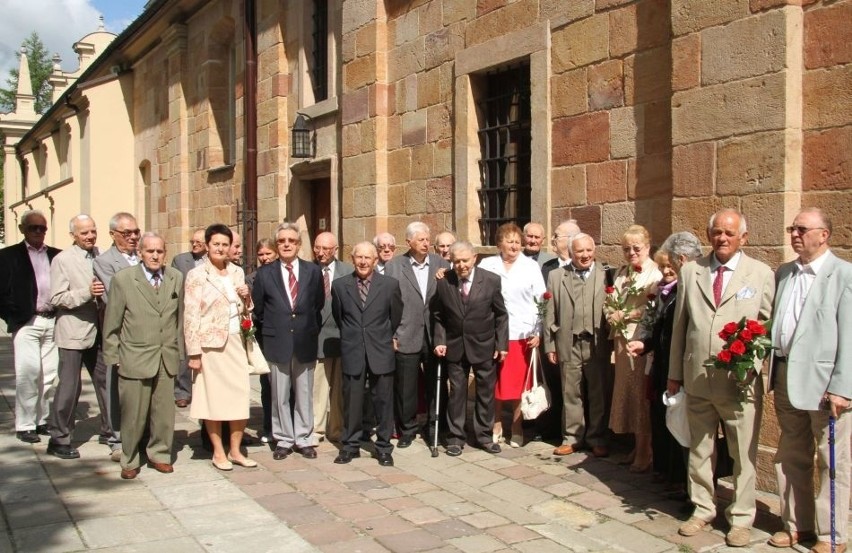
x=328, y=394
x=415, y=271
x=812, y=379
x=76, y=295
x=125, y=240
x=141, y=337
x=184, y=263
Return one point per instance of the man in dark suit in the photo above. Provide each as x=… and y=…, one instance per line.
x=142, y=339
x=185, y=262
x=25, y=306
x=367, y=307
x=328, y=393
x=415, y=271
x=471, y=330
x=288, y=298
x=125, y=240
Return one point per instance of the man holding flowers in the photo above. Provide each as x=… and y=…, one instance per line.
x=812, y=379
x=721, y=288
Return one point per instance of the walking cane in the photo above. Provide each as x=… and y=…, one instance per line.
x=434, y=447
x=831, y=480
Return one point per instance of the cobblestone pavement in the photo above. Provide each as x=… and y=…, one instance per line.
x=520, y=500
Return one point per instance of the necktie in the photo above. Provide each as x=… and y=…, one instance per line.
x=717, y=284
x=292, y=284
x=326, y=281
x=155, y=281
x=465, y=290
x=363, y=290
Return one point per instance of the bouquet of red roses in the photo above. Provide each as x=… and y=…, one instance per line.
x=247, y=327
x=745, y=342
x=616, y=300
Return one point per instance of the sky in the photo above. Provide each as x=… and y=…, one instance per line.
x=59, y=23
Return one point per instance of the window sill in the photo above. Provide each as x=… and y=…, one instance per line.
x=328, y=106
x=221, y=169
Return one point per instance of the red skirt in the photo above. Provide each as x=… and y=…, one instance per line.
x=512, y=372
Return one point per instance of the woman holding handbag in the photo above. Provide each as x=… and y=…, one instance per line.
x=522, y=285
x=216, y=295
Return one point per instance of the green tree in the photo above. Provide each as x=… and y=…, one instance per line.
x=41, y=66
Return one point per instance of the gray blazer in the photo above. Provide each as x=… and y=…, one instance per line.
x=71, y=275
x=184, y=262
x=107, y=264
x=329, y=336
x=820, y=360
x=415, y=311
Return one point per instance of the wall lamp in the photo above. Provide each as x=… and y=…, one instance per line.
x=302, y=137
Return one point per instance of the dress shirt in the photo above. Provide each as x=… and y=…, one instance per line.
x=583, y=273
x=149, y=276
x=520, y=285
x=564, y=262
x=800, y=284
x=331, y=267
x=285, y=274
x=41, y=269
x=469, y=281
x=131, y=258
x=731, y=266
x=380, y=268
x=421, y=272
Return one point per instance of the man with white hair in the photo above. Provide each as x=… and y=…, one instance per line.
x=76, y=294
x=25, y=306
x=561, y=241
x=533, y=239
x=386, y=247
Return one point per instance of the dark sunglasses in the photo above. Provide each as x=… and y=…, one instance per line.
x=36, y=228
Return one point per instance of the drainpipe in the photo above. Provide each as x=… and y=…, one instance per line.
x=250, y=114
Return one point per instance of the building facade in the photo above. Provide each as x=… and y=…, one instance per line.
x=460, y=113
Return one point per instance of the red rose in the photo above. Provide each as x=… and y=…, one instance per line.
x=546, y=296
x=728, y=330
x=610, y=289
x=652, y=297
x=755, y=327
x=724, y=356
x=746, y=335
x=245, y=324
x=737, y=347
x=637, y=268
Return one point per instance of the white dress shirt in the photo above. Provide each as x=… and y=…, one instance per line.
x=800, y=283
x=285, y=274
x=731, y=266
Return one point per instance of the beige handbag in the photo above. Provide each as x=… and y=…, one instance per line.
x=256, y=361
x=535, y=398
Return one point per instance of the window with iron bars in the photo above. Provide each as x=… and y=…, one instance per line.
x=505, y=144
x=319, y=68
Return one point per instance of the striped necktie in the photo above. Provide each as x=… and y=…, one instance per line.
x=293, y=284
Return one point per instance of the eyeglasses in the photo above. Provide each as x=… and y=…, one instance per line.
x=323, y=249
x=36, y=228
x=386, y=247
x=128, y=233
x=802, y=230
x=288, y=241
x=634, y=249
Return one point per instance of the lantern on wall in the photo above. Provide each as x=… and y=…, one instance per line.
x=302, y=137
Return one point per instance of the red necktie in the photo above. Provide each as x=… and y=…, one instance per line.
x=717, y=284
x=293, y=284
x=326, y=283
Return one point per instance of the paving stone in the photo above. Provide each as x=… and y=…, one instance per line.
x=283, y=502
x=511, y=511
x=451, y=528
x=201, y=520
x=21, y=472
x=416, y=486
x=565, y=489
x=36, y=513
x=394, y=478
x=303, y=515
x=338, y=498
x=369, y=484
x=120, y=502
x=485, y=519
x=27, y=491
x=201, y=493
x=517, y=493
x=385, y=526
x=249, y=477
x=135, y=528
x=48, y=538
x=617, y=532
x=358, y=545
x=595, y=500
x=628, y=514
x=408, y=542
x=518, y=472
x=548, y=546
x=358, y=511
x=476, y=544
x=571, y=538
x=324, y=533
x=276, y=537
x=460, y=509
x=400, y=503
x=472, y=475
x=321, y=487
x=422, y=515
x=263, y=490
x=437, y=498
x=566, y=513
x=353, y=476
x=495, y=462
x=174, y=545
x=5, y=543
x=377, y=494
x=512, y=533
x=658, y=525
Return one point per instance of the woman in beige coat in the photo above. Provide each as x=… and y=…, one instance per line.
x=216, y=296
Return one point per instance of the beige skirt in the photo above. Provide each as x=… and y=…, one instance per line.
x=220, y=392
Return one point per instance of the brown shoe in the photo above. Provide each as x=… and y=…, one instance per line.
x=825, y=547
x=692, y=526
x=600, y=451
x=566, y=449
x=738, y=536
x=182, y=403
x=785, y=538
x=129, y=474
x=165, y=468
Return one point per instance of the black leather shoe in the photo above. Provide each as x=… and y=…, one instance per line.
x=308, y=452
x=454, y=450
x=403, y=442
x=281, y=453
x=385, y=459
x=103, y=440
x=345, y=456
x=28, y=436
x=62, y=451
x=491, y=448
x=42, y=430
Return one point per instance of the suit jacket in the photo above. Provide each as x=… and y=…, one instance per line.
x=818, y=362
x=542, y=257
x=184, y=262
x=549, y=266
x=697, y=322
x=415, y=323
x=329, y=335
x=288, y=330
x=107, y=265
x=142, y=326
x=474, y=330
x=366, y=332
x=71, y=274
x=18, y=291
x=206, y=307
x=558, y=322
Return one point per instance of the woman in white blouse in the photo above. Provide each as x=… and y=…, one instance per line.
x=522, y=284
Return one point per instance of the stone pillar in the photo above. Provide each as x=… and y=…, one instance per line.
x=175, y=149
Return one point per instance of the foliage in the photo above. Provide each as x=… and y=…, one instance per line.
x=41, y=66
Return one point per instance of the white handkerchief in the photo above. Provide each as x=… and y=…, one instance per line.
x=746, y=293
